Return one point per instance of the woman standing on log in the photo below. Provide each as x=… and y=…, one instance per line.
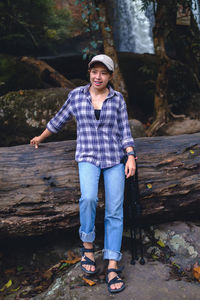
x=103, y=138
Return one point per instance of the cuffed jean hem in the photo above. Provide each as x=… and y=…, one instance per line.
x=87, y=237
x=109, y=254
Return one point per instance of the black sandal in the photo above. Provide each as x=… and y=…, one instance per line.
x=116, y=279
x=87, y=260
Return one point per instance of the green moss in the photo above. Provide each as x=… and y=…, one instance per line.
x=24, y=114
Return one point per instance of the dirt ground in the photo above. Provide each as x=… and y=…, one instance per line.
x=36, y=271
x=143, y=282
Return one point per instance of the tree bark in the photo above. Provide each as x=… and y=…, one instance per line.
x=40, y=187
x=109, y=48
x=166, y=33
x=161, y=93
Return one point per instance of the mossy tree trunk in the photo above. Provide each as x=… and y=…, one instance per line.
x=173, y=43
x=109, y=46
x=161, y=93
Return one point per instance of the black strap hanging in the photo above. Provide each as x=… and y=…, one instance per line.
x=133, y=214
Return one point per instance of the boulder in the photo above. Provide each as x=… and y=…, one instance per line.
x=25, y=113
x=137, y=128
x=180, y=126
x=182, y=239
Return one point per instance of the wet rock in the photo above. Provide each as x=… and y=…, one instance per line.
x=137, y=128
x=154, y=251
x=150, y=281
x=183, y=240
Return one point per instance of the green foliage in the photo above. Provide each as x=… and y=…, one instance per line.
x=169, y=3
x=92, y=22
x=146, y=3
x=147, y=70
x=31, y=24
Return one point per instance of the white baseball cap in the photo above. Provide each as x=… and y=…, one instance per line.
x=104, y=59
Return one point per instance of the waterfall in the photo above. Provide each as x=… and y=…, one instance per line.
x=196, y=11
x=132, y=27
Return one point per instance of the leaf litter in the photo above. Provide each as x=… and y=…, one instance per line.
x=27, y=281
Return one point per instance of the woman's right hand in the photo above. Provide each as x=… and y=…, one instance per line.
x=38, y=139
x=35, y=141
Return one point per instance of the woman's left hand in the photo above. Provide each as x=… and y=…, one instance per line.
x=130, y=166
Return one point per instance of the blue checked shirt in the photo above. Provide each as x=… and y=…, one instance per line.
x=101, y=142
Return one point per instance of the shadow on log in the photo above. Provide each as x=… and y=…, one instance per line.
x=40, y=187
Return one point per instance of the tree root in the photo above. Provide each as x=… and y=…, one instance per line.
x=155, y=126
x=177, y=116
x=159, y=123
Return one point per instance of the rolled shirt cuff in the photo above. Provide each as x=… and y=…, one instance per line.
x=51, y=128
x=127, y=144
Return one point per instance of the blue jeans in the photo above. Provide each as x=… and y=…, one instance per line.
x=114, y=178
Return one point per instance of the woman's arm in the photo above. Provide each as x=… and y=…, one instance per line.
x=124, y=127
x=127, y=139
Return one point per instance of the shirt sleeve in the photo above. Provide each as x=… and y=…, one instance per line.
x=62, y=116
x=124, y=128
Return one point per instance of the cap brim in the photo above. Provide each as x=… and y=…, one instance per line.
x=98, y=61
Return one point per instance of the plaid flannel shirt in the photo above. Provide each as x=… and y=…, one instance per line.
x=101, y=142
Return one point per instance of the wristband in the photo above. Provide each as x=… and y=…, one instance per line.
x=131, y=153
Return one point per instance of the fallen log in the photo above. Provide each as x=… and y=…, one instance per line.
x=39, y=188
x=48, y=74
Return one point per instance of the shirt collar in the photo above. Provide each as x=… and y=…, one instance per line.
x=112, y=92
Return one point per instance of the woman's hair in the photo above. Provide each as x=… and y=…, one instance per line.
x=96, y=62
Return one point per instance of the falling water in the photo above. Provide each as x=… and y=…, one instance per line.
x=196, y=11
x=132, y=28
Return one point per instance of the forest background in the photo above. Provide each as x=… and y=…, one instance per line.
x=45, y=46
x=161, y=89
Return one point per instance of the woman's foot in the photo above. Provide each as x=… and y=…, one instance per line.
x=115, y=283
x=88, y=257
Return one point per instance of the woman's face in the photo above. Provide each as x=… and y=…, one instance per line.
x=99, y=76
